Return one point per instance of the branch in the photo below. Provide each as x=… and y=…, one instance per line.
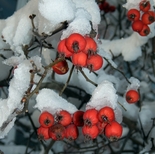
x=70, y=74
x=117, y=70
x=87, y=79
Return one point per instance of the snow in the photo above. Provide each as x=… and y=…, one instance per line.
x=53, y=103
x=146, y=114
x=75, y=27
x=17, y=88
x=129, y=47
x=54, y=11
x=92, y=8
x=134, y=84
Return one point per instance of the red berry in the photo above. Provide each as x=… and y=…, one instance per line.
x=148, y=17
x=137, y=25
x=145, y=30
x=144, y=5
x=75, y=42
x=113, y=131
x=57, y=132
x=79, y=59
x=62, y=49
x=132, y=96
x=72, y=132
x=61, y=67
x=90, y=132
x=112, y=8
x=78, y=118
x=104, y=6
x=106, y=115
x=133, y=14
x=64, y=117
x=46, y=119
x=94, y=62
x=91, y=46
x=43, y=133
x=100, y=6
x=90, y=117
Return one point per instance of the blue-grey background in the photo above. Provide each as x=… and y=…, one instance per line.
x=7, y=8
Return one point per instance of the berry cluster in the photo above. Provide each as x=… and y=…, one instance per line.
x=101, y=122
x=57, y=127
x=82, y=50
x=106, y=7
x=141, y=18
x=93, y=123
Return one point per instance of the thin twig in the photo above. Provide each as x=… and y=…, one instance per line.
x=49, y=147
x=87, y=79
x=34, y=128
x=122, y=106
x=69, y=77
x=117, y=70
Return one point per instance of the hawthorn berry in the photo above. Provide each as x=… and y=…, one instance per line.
x=61, y=67
x=64, y=117
x=94, y=62
x=106, y=114
x=91, y=46
x=72, y=132
x=148, y=17
x=112, y=8
x=62, y=49
x=90, y=132
x=132, y=96
x=90, y=117
x=78, y=118
x=133, y=14
x=144, y=5
x=79, y=59
x=46, y=119
x=43, y=133
x=75, y=42
x=145, y=30
x=104, y=6
x=57, y=132
x=113, y=131
x=137, y=25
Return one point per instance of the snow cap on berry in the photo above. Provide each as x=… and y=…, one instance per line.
x=134, y=84
x=49, y=100
x=103, y=95
x=80, y=24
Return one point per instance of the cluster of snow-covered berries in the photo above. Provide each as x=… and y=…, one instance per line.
x=106, y=7
x=92, y=122
x=141, y=18
x=82, y=50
